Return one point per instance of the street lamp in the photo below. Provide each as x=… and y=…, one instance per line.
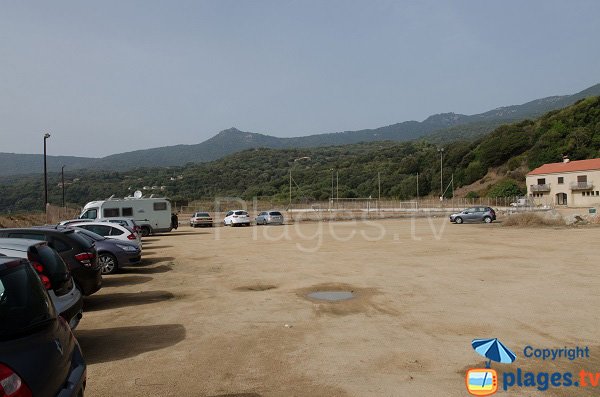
x=441, y=150
x=62, y=171
x=46, y=136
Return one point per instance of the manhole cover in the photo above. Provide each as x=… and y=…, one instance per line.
x=331, y=295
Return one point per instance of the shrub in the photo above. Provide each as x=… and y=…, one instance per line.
x=528, y=219
x=506, y=188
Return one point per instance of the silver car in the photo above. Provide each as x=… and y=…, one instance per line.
x=269, y=218
x=474, y=214
x=53, y=272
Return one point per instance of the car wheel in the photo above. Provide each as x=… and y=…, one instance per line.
x=146, y=231
x=108, y=263
x=487, y=219
x=458, y=220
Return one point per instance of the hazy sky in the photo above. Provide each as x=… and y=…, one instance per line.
x=110, y=76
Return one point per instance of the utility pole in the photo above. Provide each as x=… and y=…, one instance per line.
x=379, y=184
x=62, y=171
x=331, y=197
x=46, y=136
x=417, y=190
x=337, y=187
x=441, y=150
x=379, y=187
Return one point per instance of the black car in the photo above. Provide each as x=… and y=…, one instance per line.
x=53, y=272
x=39, y=356
x=79, y=254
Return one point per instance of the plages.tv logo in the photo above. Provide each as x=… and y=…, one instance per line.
x=484, y=381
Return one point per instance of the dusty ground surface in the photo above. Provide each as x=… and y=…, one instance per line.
x=223, y=312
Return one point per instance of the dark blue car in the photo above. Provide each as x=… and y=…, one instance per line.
x=39, y=356
x=112, y=254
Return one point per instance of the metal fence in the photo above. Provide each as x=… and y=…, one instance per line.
x=343, y=208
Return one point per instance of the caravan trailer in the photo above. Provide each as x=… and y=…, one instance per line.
x=152, y=214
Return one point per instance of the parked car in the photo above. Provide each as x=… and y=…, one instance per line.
x=39, y=356
x=237, y=217
x=112, y=231
x=70, y=221
x=522, y=202
x=53, y=272
x=474, y=214
x=112, y=254
x=201, y=219
x=78, y=253
x=127, y=222
x=269, y=217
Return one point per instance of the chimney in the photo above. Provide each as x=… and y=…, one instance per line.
x=566, y=159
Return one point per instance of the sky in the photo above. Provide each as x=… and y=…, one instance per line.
x=108, y=77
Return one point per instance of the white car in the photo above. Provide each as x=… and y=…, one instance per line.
x=201, y=219
x=236, y=218
x=111, y=230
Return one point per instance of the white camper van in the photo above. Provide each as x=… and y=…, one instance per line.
x=152, y=214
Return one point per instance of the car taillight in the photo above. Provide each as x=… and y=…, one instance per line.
x=131, y=237
x=85, y=258
x=39, y=268
x=11, y=385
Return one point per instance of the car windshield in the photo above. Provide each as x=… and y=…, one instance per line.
x=23, y=302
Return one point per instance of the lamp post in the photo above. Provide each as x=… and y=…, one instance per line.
x=62, y=171
x=46, y=136
x=441, y=150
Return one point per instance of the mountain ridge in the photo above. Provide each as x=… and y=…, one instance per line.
x=437, y=128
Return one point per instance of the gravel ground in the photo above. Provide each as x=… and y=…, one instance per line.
x=223, y=311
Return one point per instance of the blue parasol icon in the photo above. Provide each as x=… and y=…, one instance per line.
x=493, y=350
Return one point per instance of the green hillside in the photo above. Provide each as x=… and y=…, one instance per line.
x=440, y=129
x=511, y=150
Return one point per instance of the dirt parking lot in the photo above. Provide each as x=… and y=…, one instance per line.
x=224, y=312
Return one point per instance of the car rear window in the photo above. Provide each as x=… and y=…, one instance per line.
x=202, y=214
x=241, y=213
x=86, y=243
x=23, y=302
x=275, y=213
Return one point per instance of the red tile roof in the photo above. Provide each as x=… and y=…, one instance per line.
x=571, y=166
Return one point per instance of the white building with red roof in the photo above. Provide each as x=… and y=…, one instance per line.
x=570, y=183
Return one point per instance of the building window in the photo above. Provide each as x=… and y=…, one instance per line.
x=582, y=178
x=561, y=180
x=541, y=181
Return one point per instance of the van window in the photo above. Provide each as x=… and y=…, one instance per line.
x=111, y=212
x=127, y=211
x=91, y=213
x=160, y=206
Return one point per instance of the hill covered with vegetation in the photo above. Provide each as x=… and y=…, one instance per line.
x=441, y=128
x=510, y=150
